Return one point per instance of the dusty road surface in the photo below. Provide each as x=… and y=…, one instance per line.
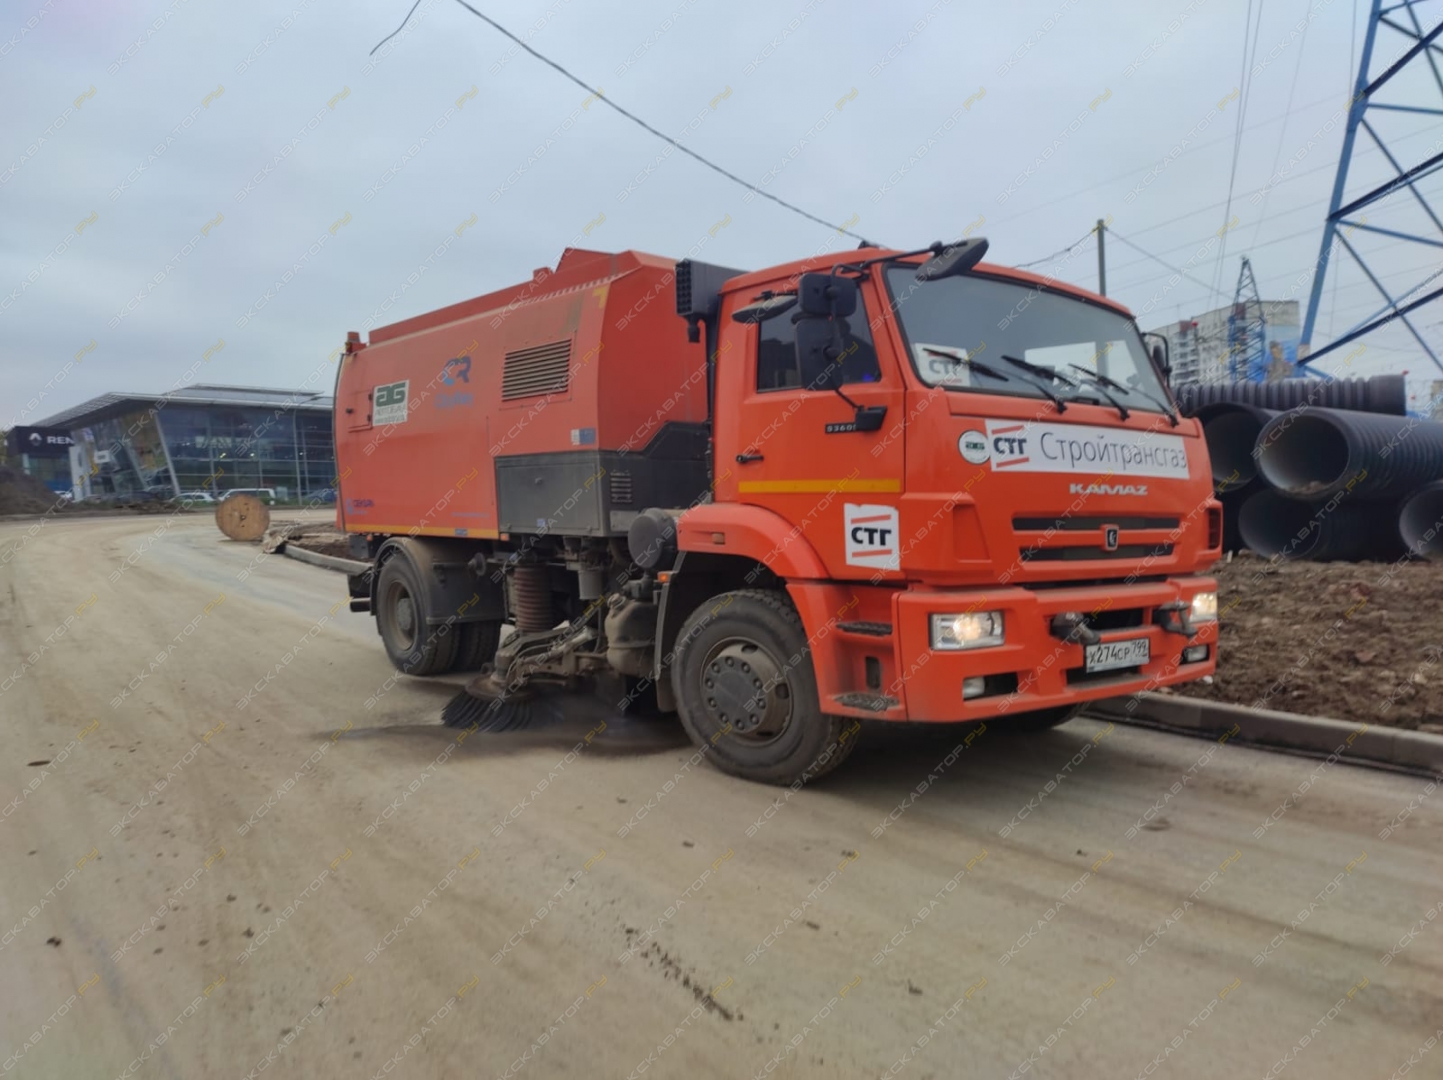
x=233, y=846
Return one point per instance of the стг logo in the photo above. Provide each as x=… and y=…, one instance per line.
x=973, y=445
x=872, y=536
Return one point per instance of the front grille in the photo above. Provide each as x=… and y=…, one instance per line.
x=1064, y=523
x=1087, y=554
x=1118, y=619
x=621, y=492
x=541, y=369
x=1087, y=583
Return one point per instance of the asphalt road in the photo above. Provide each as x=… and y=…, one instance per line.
x=234, y=844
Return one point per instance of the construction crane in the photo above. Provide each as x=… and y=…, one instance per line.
x=1247, y=330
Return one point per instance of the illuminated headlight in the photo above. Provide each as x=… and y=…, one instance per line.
x=1205, y=607
x=974, y=630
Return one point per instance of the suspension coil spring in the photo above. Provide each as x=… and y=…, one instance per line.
x=531, y=606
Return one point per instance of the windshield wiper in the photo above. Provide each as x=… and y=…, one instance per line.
x=1044, y=373
x=1098, y=377
x=973, y=365
x=1100, y=384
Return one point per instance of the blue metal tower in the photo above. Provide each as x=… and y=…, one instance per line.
x=1344, y=215
x=1247, y=330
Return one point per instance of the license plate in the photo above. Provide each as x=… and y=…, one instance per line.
x=1110, y=655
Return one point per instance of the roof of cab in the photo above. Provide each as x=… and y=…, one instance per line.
x=826, y=262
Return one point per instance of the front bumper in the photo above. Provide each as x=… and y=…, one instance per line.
x=1033, y=669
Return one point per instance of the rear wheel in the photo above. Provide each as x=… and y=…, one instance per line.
x=476, y=644
x=403, y=619
x=747, y=694
x=1043, y=719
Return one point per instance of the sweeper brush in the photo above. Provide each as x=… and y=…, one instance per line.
x=488, y=705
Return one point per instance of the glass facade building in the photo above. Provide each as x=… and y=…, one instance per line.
x=202, y=438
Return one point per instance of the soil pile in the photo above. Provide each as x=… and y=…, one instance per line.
x=323, y=539
x=21, y=494
x=1359, y=642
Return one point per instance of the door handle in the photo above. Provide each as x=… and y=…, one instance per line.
x=744, y=459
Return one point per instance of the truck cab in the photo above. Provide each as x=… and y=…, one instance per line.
x=975, y=486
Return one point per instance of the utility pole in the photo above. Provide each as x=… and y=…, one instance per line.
x=1101, y=258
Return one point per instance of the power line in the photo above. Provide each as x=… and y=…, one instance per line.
x=1292, y=89
x=1195, y=244
x=1254, y=247
x=1182, y=273
x=1328, y=166
x=398, y=29
x=1244, y=96
x=639, y=121
x=1068, y=250
x=1143, y=168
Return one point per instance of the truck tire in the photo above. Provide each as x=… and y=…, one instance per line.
x=1042, y=719
x=476, y=644
x=401, y=617
x=747, y=693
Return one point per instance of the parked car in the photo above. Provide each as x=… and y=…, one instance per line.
x=322, y=495
x=197, y=496
x=265, y=495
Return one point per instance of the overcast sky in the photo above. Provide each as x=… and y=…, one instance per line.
x=181, y=173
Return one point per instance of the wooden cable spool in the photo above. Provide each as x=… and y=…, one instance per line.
x=242, y=517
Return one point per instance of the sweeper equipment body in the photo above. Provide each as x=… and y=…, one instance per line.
x=881, y=485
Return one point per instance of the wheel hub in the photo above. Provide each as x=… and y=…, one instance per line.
x=406, y=616
x=746, y=690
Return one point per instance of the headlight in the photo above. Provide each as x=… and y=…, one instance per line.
x=974, y=630
x=1205, y=607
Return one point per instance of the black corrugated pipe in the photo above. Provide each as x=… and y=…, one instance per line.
x=1421, y=520
x=1231, y=431
x=1232, y=504
x=1386, y=394
x=1339, y=528
x=1315, y=453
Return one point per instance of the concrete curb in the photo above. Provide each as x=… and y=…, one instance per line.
x=330, y=562
x=1359, y=744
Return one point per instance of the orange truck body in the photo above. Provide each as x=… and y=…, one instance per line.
x=580, y=390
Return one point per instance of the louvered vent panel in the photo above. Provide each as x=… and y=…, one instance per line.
x=541, y=369
x=621, y=490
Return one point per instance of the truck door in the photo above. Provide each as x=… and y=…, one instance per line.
x=795, y=451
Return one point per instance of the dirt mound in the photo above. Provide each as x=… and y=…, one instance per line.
x=1360, y=642
x=21, y=494
x=322, y=539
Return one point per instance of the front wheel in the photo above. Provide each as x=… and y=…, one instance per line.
x=747, y=694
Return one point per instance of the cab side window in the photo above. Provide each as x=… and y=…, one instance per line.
x=778, y=367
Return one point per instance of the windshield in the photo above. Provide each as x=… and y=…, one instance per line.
x=959, y=329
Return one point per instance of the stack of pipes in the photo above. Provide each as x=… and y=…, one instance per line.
x=1314, y=469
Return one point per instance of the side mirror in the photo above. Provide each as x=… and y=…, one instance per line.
x=825, y=294
x=1159, y=354
x=818, y=352
x=953, y=259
